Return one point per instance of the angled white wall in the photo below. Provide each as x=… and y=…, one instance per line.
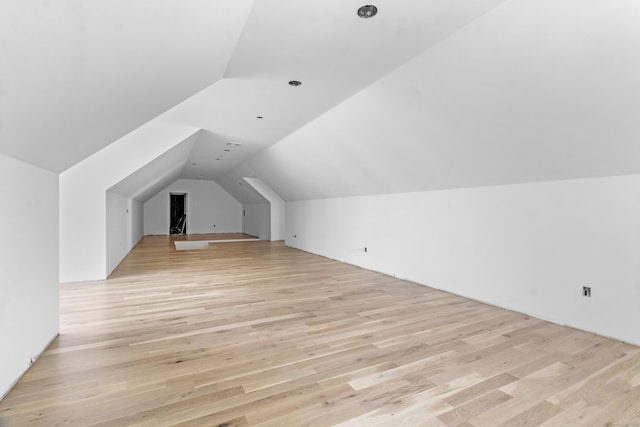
x=526, y=247
x=210, y=209
x=83, y=222
x=256, y=220
x=276, y=207
x=29, y=298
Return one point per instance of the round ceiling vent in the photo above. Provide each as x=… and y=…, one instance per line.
x=367, y=11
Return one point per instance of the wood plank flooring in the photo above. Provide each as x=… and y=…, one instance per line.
x=255, y=333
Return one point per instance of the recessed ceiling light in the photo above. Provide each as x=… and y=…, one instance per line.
x=259, y=117
x=367, y=11
x=295, y=83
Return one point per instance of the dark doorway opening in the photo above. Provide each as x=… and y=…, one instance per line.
x=177, y=213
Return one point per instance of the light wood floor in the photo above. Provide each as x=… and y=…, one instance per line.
x=255, y=333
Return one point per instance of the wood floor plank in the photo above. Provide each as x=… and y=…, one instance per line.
x=533, y=417
x=258, y=334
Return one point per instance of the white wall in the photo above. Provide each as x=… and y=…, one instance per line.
x=117, y=213
x=210, y=209
x=257, y=220
x=83, y=222
x=124, y=227
x=277, y=207
x=29, y=299
x=528, y=247
x=277, y=218
x=137, y=221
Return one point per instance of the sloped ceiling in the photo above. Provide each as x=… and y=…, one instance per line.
x=156, y=175
x=532, y=91
x=429, y=94
x=327, y=47
x=76, y=75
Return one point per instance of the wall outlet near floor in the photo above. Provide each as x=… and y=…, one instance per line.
x=586, y=291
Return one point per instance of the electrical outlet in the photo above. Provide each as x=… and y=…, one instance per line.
x=586, y=291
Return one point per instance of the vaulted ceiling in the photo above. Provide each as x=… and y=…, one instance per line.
x=427, y=95
x=77, y=75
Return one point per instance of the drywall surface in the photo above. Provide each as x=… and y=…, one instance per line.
x=78, y=75
x=210, y=209
x=137, y=222
x=124, y=227
x=256, y=220
x=527, y=247
x=117, y=212
x=29, y=298
x=494, y=103
x=277, y=207
x=83, y=218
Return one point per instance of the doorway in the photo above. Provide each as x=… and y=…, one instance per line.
x=178, y=213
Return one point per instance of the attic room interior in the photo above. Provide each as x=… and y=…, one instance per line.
x=442, y=200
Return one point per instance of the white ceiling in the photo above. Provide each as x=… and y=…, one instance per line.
x=332, y=51
x=154, y=176
x=427, y=95
x=76, y=76
x=533, y=91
